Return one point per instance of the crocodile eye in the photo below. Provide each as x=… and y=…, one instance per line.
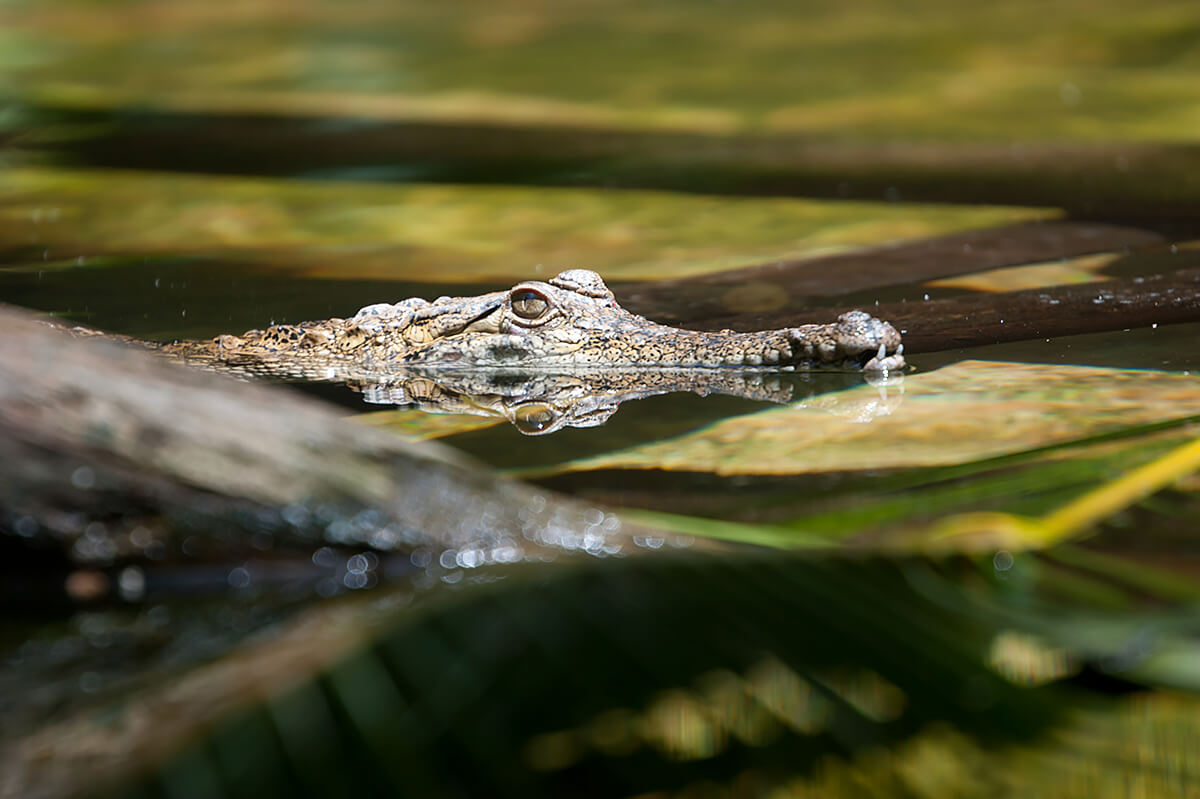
x=528, y=304
x=534, y=419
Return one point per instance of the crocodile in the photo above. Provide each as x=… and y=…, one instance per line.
x=569, y=323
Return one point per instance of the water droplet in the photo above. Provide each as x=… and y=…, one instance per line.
x=25, y=526
x=324, y=557
x=132, y=584
x=140, y=537
x=83, y=478
x=90, y=682
x=239, y=577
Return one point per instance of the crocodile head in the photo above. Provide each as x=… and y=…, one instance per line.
x=573, y=320
x=568, y=323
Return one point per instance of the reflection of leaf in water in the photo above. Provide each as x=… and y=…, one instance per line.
x=422, y=424
x=624, y=677
x=460, y=233
x=1077, y=517
x=613, y=677
x=968, y=411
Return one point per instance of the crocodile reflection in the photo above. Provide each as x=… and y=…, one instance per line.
x=538, y=404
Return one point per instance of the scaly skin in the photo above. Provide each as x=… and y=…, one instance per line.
x=569, y=323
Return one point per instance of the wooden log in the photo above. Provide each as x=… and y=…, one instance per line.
x=978, y=319
x=111, y=452
x=973, y=320
x=786, y=285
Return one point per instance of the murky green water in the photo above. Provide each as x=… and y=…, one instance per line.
x=180, y=172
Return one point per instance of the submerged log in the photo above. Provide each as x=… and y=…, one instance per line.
x=705, y=300
x=979, y=319
x=109, y=452
x=973, y=320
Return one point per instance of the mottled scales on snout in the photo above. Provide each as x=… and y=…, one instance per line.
x=571, y=322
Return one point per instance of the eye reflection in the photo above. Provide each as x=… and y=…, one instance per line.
x=534, y=419
x=528, y=304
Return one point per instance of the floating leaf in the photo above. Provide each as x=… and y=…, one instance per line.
x=1032, y=276
x=963, y=412
x=1091, y=483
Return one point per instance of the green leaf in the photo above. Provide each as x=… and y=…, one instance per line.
x=964, y=412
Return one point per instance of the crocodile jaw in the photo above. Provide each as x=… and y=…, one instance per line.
x=857, y=341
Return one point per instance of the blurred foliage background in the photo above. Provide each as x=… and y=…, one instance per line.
x=979, y=580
